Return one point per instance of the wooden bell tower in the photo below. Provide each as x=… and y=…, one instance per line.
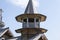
x=31, y=24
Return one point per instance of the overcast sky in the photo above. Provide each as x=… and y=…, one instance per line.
x=50, y=8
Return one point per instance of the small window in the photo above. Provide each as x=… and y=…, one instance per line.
x=37, y=20
x=25, y=20
x=31, y=19
x=3, y=38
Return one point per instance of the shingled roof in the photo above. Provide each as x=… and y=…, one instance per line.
x=5, y=31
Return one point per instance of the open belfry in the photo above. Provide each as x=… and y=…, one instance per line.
x=31, y=24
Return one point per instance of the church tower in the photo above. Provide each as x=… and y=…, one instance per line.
x=5, y=33
x=1, y=23
x=31, y=24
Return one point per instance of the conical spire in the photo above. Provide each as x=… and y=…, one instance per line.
x=29, y=8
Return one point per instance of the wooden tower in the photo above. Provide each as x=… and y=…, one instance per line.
x=31, y=24
x=1, y=22
x=5, y=33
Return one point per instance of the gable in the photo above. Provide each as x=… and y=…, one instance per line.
x=5, y=33
x=43, y=37
x=2, y=31
x=39, y=37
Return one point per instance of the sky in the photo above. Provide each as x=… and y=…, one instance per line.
x=49, y=8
